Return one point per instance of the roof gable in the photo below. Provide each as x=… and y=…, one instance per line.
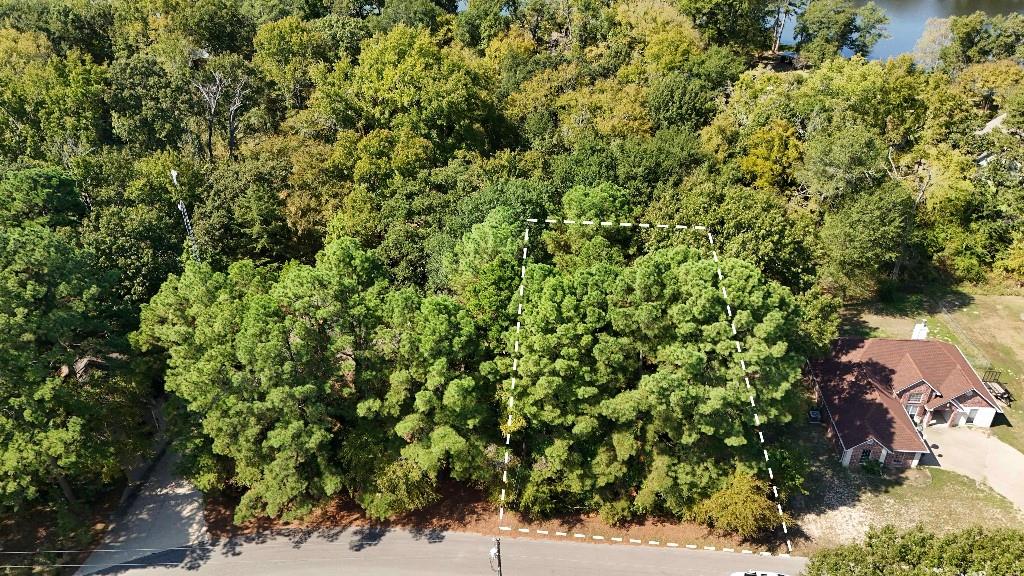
x=904, y=363
x=906, y=374
x=857, y=394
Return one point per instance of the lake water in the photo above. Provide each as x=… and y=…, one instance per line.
x=908, y=17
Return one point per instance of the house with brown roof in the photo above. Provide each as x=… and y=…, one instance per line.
x=879, y=394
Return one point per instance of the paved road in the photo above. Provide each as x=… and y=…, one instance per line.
x=380, y=552
x=168, y=512
x=976, y=453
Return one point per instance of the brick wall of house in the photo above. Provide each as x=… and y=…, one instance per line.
x=906, y=459
x=973, y=400
x=876, y=453
x=919, y=388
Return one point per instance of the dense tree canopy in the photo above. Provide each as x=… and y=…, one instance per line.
x=916, y=551
x=358, y=177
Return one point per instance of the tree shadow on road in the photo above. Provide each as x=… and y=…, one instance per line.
x=367, y=536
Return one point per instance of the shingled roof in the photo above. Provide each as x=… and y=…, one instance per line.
x=862, y=408
x=940, y=364
x=861, y=379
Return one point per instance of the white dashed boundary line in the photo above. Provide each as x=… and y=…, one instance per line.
x=739, y=350
x=633, y=541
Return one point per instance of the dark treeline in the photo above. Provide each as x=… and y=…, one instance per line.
x=358, y=176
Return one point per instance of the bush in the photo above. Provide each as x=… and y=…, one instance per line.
x=742, y=507
x=874, y=468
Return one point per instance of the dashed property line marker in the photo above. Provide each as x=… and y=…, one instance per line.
x=739, y=350
x=753, y=404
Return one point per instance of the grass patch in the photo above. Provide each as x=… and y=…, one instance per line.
x=936, y=494
x=842, y=505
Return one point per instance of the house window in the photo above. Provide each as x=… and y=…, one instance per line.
x=897, y=457
x=972, y=415
x=912, y=412
x=865, y=455
x=916, y=398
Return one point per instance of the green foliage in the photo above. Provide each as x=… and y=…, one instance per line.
x=742, y=22
x=978, y=37
x=1012, y=263
x=614, y=357
x=742, y=507
x=69, y=24
x=841, y=161
x=65, y=382
x=872, y=468
x=147, y=102
x=399, y=488
x=358, y=177
x=827, y=27
x=862, y=240
x=273, y=414
x=915, y=551
x=405, y=82
x=43, y=196
x=286, y=50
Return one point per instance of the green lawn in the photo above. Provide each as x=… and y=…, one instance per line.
x=989, y=329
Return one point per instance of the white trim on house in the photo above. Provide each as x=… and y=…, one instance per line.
x=983, y=419
x=934, y=389
x=848, y=453
x=976, y=391
x=835, y=429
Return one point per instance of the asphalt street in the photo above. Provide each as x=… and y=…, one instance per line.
x=381, y=551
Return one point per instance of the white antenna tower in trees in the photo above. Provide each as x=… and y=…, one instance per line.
x=193, y=245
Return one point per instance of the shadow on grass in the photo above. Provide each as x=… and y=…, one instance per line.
x=1000, y=420
x=929, y=301
x=828, y=484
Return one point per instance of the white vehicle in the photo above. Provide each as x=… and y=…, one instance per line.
x=756, y=573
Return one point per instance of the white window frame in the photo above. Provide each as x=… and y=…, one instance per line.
x=915, y=397
x=912, y=410
x=865, y=455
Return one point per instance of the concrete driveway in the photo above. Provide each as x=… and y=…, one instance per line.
x=977, y=454
x=167, y=514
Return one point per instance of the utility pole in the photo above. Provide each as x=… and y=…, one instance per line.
x=193, y=246
x=496, y=556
